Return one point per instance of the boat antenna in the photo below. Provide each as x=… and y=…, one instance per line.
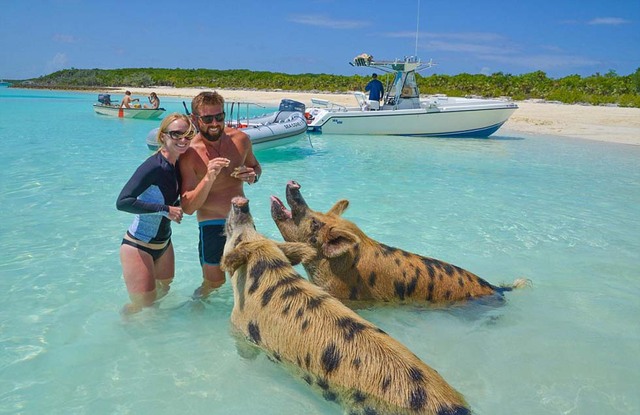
x=417, y=29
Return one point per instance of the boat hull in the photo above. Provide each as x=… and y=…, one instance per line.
x=262, y=136
x=434, y=122
x=137, y=113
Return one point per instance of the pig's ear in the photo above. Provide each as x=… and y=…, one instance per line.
x=339, y=207
x=297, y=252
x=339, y=242
x=235, y=258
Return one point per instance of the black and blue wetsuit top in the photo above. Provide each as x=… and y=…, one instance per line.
x=149, y=192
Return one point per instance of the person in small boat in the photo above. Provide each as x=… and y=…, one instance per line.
x=127, y=100
x=214, y=170
x=154, y=101
x=152, y=194
x=375, y=88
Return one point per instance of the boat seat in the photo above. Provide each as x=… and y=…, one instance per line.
x=364, y=103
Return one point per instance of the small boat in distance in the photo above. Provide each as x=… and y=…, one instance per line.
x=106, y=107
x=403, y=112
x=279, y=128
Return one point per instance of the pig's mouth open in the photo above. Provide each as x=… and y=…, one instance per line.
x=278, y=210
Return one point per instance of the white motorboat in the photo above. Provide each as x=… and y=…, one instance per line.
x=106, y=107
x=282, y=127
x=403, y=112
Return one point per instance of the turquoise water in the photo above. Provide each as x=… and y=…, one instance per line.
x=564, y=213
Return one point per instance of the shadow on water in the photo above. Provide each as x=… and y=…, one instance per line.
x=285, y=154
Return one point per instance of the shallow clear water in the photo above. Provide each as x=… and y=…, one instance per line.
x=561, y=212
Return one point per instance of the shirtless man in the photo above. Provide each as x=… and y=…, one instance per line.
x=214, y=170
x=127, y=100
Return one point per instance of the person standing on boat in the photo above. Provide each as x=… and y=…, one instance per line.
x=375, y=88
x=152, y=194
x=214, y=170
x=154, y=101
x=127, y=100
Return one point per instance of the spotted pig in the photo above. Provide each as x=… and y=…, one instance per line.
x=344, y=357
x=353, y=267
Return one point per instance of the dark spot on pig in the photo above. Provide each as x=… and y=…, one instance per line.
x=416, y=374
x=457, y=410
x=254, y=332
x=358, y=396
x=330, y=396
x=330, y=358
x=322, y=384
x=350, y=327
x=418, y=398
x=411, y=286
x=267, y=295
x=372, y=279
x=449, y=270
x=316, y=302
x=386, y=382
x=399, y=289
x=291, y=292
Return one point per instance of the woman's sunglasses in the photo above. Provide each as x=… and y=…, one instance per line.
x=178, y=135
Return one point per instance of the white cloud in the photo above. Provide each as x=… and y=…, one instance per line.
x=614, y=21
x=542, y=62
x=325, y=21
x=59, y=61
x=460, y=47
x=62, y=38
x=462, y=36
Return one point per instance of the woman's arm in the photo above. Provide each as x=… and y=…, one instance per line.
x=142, y=179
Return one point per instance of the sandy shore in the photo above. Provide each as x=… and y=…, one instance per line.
x=609, y=124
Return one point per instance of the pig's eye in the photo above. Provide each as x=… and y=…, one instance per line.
x=315, y=225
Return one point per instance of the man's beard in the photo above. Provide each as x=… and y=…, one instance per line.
x=212, y=136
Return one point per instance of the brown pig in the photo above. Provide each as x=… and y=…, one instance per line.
x=344, y=357
x=353, y=267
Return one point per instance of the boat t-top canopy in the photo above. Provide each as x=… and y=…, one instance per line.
x=407, y=64
x=403, y=92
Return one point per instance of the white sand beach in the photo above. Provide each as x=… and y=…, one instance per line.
x=609, y=124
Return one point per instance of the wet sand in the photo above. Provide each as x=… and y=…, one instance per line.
x=609, y=124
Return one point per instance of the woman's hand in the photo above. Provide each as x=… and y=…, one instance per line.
x=175, y=213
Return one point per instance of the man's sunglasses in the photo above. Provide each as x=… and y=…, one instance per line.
x=208, y=119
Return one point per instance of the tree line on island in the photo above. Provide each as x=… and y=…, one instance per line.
x=597, y=89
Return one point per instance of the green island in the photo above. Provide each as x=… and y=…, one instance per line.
x=597, y=89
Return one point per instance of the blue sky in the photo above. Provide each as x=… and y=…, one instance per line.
x=559, y=37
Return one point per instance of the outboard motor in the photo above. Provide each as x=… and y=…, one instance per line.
x=291, y=105
x=287, y=108
x=104, y=99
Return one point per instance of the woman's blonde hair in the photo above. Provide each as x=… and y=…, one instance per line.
x=160, y=138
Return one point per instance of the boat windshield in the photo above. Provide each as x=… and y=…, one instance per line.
x=404, y=91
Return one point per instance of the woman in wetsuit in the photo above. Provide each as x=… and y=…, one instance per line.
x=152, y=194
